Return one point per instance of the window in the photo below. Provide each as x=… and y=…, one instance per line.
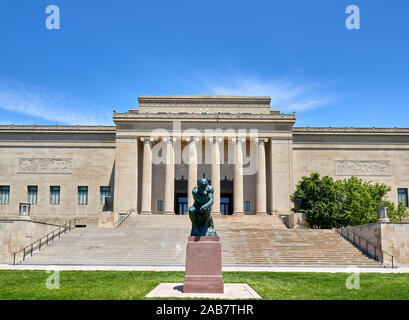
x=54, y=195
x=247, y=206
x=160, y=205
x=103, y=193
x=32, y=194
x=182, y=205
x=403, y=196
x=224, y=206
x=83, y=195
x=4, y=194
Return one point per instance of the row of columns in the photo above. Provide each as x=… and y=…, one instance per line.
x=261, y=192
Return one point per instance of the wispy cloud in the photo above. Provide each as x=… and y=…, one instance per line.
x=38, y=102
x=286, y=94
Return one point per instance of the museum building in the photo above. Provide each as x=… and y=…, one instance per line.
x=253, y=157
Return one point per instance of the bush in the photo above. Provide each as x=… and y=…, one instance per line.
x=333, y=204
x=361, y=200
x=321, y=200
x=398, y=214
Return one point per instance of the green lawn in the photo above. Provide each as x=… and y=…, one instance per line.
x=135, y=285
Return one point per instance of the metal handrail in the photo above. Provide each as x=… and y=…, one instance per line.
x=367, y=242
x=121, y=219
x=45, y=240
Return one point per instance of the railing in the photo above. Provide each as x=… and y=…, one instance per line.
x=42, y=242
x=366, y=247
x=122, y=218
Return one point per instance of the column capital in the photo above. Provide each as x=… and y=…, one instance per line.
x=146, y=139
x=239, y=139
x=261, y=140
x=216, y=139
x=192, y=139
x=169, y=139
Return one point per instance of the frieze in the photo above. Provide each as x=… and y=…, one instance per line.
x=362, y=168
x=44, y=166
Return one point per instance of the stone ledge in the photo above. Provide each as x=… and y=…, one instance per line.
x=231, y=291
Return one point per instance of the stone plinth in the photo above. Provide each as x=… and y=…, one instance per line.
x=106, y=219
x=203, y=266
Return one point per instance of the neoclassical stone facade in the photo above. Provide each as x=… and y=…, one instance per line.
x=252, y=155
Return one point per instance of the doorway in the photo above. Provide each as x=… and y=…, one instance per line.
x=181, y=204
x=226, y=207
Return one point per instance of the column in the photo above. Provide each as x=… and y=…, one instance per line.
x=192, y=176
x=146, y=207
x=126, y=175
x=169, y=177
x=216, y=174
x=238, y=177
x=281, y=176
x=261, y=191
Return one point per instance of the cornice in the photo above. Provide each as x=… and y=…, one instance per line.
x=203, y=99
x=57, y=129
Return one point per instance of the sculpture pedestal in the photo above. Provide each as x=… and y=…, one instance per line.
x=203, y=266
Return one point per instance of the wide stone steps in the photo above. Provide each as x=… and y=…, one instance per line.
x=161, y=240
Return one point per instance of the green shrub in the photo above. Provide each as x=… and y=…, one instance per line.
x=332, y=204
x=398, y=214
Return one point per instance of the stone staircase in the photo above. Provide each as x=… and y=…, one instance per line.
x=161, y=240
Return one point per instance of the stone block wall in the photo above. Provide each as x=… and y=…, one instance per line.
x=15, y=235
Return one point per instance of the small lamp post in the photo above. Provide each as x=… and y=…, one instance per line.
x=25, y=211
x=383, y=213
x=297, y=204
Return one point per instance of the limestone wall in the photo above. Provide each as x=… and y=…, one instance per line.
x=15, y=235
x=377, y=155
x=392, y=238
x=395, y=240
x=44, y=157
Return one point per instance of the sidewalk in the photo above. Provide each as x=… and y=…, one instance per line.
x=345, y=269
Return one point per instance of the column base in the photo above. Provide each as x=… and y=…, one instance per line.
x=238, y=213
x=169, y=213
x=262, y=213
x=146, y=213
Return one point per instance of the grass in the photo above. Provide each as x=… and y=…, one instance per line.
x=114, y=285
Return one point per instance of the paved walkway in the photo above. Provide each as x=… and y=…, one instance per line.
x=327, y=269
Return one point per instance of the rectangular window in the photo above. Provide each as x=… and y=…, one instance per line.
x=83, y=195
x=247, y=206
x=32, y=194
x=160, y=205
x=103, y=193
x=403, y=196
x=54, y=195
x=4, y=194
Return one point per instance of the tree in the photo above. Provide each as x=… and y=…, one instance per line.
x=398, y=214
x=332, y=204
x=321, y=200
x=361, y=200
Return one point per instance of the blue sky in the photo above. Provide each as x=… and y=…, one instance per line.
x=109, y=52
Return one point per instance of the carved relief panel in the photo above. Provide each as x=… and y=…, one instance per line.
x=44, y=166
x=375, y=168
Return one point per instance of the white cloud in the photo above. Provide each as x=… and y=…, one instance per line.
x=42, y=103
x=286, y=95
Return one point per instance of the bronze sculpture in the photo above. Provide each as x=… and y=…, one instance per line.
x=199, y=213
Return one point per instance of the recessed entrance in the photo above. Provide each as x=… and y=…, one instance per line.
x=181, y=204
x=226, y=207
